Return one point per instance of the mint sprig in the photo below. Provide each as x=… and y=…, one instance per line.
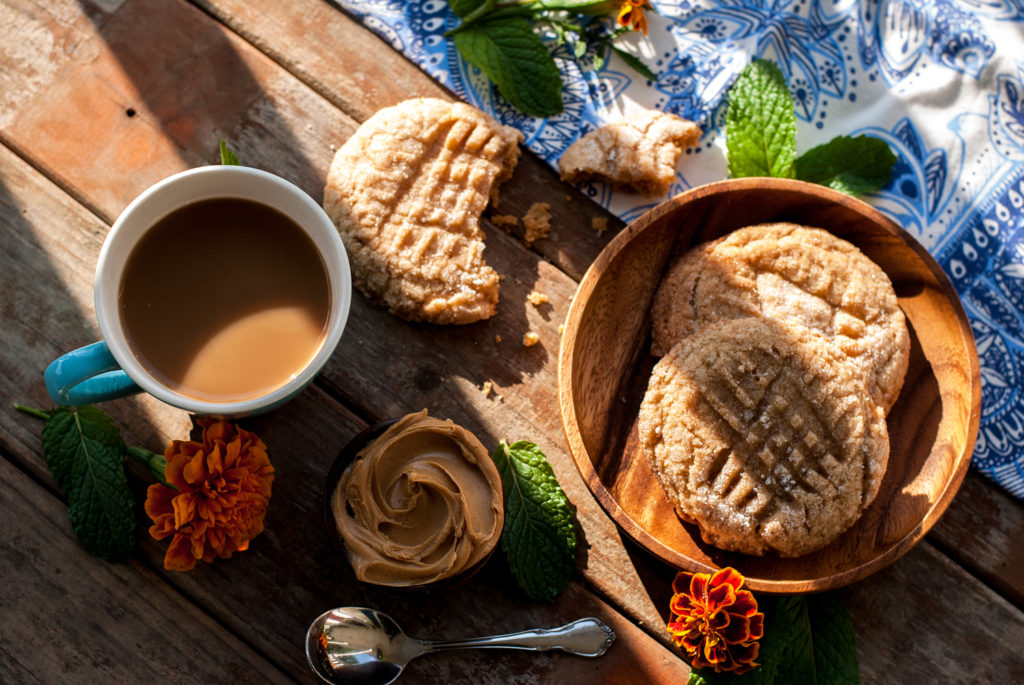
x=500, y=39
x=761, y=139
x=539, y=538
x=85, y=452
x=807, y=641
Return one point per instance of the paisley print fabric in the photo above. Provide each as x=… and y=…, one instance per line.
x=942, y=81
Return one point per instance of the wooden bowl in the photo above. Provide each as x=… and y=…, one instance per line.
x=604, y=364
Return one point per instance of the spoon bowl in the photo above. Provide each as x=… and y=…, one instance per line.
x=356, y=645
x=360, y=646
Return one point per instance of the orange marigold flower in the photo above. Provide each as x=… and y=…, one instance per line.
x=223, y=488
x=631, y=14
x=716, y=622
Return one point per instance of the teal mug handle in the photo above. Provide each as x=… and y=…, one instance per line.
x=87, y=375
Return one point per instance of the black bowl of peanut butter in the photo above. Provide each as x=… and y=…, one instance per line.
x=415, y=502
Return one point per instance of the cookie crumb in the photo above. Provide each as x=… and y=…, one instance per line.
x=488, y=388
x=537, y=222
x=561, y=328
x=537, y=298
x=505, y=221
x=599, y=224
x=497, y=338
x=530, y=339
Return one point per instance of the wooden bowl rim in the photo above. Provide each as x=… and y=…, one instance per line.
x=585, y=466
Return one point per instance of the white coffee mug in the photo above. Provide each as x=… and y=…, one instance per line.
x=109, y=369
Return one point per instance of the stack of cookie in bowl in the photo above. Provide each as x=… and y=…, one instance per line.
x=782, y=350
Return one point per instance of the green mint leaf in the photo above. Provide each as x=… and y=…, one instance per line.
x=807, y=641
x=760, y=123
x=835, y=643
x=227, y=156
x=517, y=62
x=787, y=648
x=851, y=165
x=539, y=539
x=635, y=64
x=697, y=678
x=86, y=455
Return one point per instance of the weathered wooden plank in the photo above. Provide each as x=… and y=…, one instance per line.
x=292, y=572
x=106, y=110
x=50, y=245
x=982, y=530
x=923, y=607
x=71, y=618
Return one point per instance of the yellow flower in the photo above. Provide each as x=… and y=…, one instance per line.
x=631, y=14
x=223, y=489
x=716, y=622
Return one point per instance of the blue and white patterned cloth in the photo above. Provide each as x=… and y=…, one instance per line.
x=942, y=81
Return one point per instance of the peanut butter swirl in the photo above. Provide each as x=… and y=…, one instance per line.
x=421, y=503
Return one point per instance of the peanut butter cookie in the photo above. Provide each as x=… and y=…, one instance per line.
x=799, y=274
x=761, y=432
x=406, y=192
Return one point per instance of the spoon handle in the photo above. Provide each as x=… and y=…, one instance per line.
x=585, y=637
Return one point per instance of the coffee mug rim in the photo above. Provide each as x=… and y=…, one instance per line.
x=328, y=244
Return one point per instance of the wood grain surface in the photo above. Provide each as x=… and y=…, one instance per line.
x=292, y=572
x=70, y=618
x=100, y=98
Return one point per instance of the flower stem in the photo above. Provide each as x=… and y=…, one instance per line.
x=153, y=461
x=480, y=11
x=38, y=413
x=493, y=10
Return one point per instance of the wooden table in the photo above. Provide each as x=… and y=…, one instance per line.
x=101, y=98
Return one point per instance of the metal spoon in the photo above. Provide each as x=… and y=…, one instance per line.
x=359, y=646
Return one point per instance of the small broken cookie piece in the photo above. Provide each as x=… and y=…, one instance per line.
x=505, y=221
x=537, y=222
x=639, y=152
x=537, y=298
x=406, y=192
